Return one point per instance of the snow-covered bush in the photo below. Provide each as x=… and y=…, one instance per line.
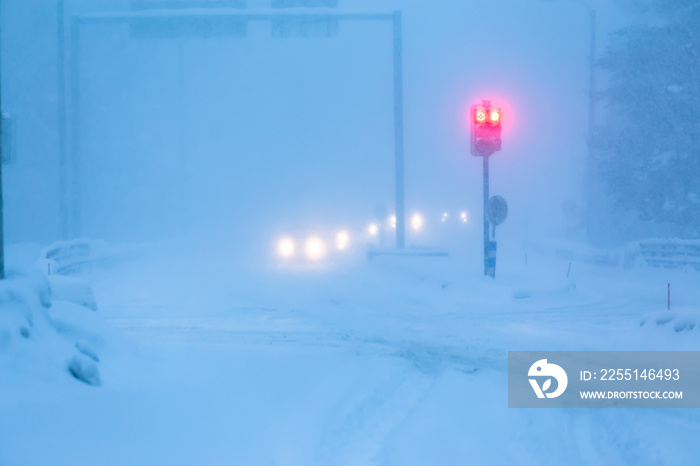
x=647, y=149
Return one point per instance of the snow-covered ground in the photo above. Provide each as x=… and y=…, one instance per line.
x=207, y=359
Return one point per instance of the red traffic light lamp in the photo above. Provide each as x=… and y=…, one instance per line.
x=485, y=123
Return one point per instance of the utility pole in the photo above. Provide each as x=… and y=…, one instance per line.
x=398, y=132
x=2, y=210
x=62, y=121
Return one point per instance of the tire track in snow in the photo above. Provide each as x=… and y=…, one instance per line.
x=357, y=435
x=425, y=355
x=356, y=432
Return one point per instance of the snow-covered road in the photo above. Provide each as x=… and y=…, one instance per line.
x=398, y=360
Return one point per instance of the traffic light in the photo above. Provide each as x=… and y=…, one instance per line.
x=485, y=122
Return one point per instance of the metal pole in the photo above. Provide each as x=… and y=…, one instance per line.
x=74, y=160
x=590, y=166
x=486, y=222
x=182, y=209
x=2, y=210
x=62, y=118
x=398, y=133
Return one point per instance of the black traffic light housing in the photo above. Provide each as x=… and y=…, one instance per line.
x=485, y=122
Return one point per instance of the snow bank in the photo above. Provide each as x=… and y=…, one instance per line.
x=73, y=290
x=47, y=336
x=681, y=319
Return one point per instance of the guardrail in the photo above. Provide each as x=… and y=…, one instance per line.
x=671, y=253
x=80, y=255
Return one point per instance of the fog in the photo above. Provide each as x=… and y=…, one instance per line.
x=230, y=293
x=181, y=135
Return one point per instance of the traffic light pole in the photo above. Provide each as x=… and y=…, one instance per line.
x=485, y=125
x=486, y=222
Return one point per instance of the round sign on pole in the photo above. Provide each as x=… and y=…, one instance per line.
x=496, y=210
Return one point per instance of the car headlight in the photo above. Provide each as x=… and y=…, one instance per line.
x=315, y=248
x=373, y=229
x=342, y=240
x=417, y=222
x=286, y=248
